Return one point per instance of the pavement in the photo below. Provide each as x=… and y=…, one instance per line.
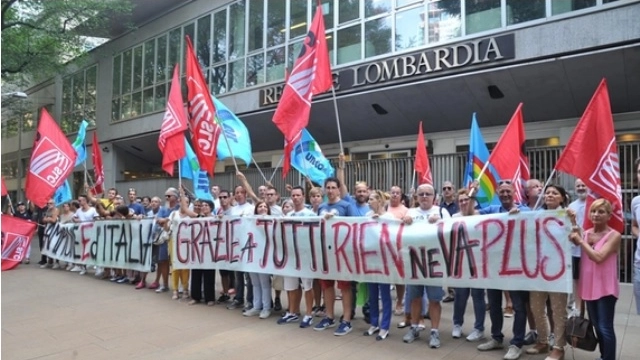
x=55, y=314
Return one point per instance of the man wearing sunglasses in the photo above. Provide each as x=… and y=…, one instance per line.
x=449, y=202
x=425, y=212
x=506, y=191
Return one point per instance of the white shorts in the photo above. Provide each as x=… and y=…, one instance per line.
x=293, y=283
x=277, y=283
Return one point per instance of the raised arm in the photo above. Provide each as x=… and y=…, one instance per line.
x=247, y=186
x=340, y=176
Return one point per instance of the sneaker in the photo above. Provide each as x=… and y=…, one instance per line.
x=27, y=261
x=41, y=262
x=99, y=273
x=324, y=324
x=161, y=289
x=513, y=353
x=448, y=298
x=223, y=299
x=277, y=306
x=552, y=339
x=288, y=318
x=234, y=304
x=434, y=341
x=344, y=328
x=456, y=333
x=69, y=267
x=56, y=266
x=251, y=312
x=123, y=280
x=306, y=322
x=372, y=330
x=247, y=306
x=265, y=313
x=531, y=338
x=320, y=311
x=82, y=271
x=411, y=335
x=46, y=265
x=490, y=345
x=475, y=335
x=115, y=278
x=508, y=312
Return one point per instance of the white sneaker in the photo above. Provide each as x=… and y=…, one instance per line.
x=82, y=271
x=490, y=345
x=552, y=340
x=252, y=312
x=513, y=353
x=475, y=335
x=264, y=314
x=76, y=268
x=69, y=267
x=456, y=333
x=55, y=266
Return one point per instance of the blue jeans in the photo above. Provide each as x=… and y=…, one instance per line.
x=601, y=313
x=374, y=311
x=460, y=305
x=636, y=287
x=518, y=298
x=240, y=283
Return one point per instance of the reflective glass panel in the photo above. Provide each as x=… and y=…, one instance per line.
x=218, y=79
x=236, y=27
x=409, y=28
x=162, y=68
x=377, y=34
x=275, y=64
x=160, y=97
x=256, y=24
x=276, y=15
x=117, y=64
x=348, y=10
x=521, y=11
x=445, y=21
x=482, y=15
x=219, y=41
x=126, y=71
x=204, y=41
x=137, y=67
x=563, y=6
x=299, y=24
x=349, y=44
x=255, y=70
x=149, y=62
x=375, y=7
x=236, y=75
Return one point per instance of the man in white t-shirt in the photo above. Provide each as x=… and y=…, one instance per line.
x=83, y=214
x=292, y=284
x=426, y=212
x=242, y=208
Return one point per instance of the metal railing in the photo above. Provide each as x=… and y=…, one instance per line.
x=384, y=173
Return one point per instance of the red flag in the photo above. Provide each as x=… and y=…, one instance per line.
x=4, y=188
x=16, y=237
x=591, y=154
x=205, y=130
x=171, y=139
x=311, y=75
x=98, y=169
x=52, y=160
x=422, y=160
x=508, y=166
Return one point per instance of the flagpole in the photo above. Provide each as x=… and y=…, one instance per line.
x=544, y=187
x=276, y=168
x=226, y=140
x=335, y=107
x=484, y=168
x=413, y=178
x=258, y=167
x=180, y=176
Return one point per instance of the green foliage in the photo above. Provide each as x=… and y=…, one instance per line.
x=40, y=36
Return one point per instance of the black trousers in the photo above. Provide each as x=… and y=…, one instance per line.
x=209, y=279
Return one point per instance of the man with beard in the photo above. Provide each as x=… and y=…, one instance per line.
x=578, y=205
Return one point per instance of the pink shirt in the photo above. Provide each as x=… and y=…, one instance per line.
x=599, y=280
x=398, y=211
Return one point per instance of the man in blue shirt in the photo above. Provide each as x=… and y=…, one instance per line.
x=506, y=192
x=135, y=208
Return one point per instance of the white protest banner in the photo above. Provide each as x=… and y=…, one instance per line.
x=119, y=244
x=527, y=251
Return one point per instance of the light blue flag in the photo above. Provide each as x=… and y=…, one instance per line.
x=62, y=194
x=236, y=133
x=190, y=169
x=79, y=145
x=308, y=159
x=478, y=156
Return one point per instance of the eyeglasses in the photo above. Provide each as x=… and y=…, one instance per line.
x=425, y=194
x=503, y=182
x=447, y=188
x=223, y=197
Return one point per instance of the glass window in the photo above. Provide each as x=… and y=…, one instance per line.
x=218, y=79
x=117, y=63
x=160, y=97
x=563, y=6
x=204, y=39
x=162, y=68
x=292, y=54
x=149, y=62
x=348, y=10
x=276, y=12
x=482, y=15
x=115, y=109
x=255, y=70
x=349, y=44
x=401, y=3
x=327, y=12
x=236, y=75
x=409, y=28
x=376, y=7
x=275, y=64
x=126, y=71
x=77, y=104
x=175, y=43
x=521, y=11
x=299, y=24
x=137, y=68
x=219, y=42
x=90, y=94
x=189, y=30
x=236, y=27
x=256, y=25
x=147, y=100
x=136, y=104
x=126, y=107
x=378, y=36
x=444, y=21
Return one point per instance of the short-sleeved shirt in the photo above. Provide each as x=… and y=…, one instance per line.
x=579, y=207
x=276, y=210
x=107, y=205
x=452, y=208
x=497, y=209
x=417, y=214
x=303, y=212
x=398, y=211
x=136, y=209
x=24, y=215
x=339, y=208
x=635, y=214
x=88, y=215
x=243, y=210
x=358, y=209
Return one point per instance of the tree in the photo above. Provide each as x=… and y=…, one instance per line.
x=40, y=36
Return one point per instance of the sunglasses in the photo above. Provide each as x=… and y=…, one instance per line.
x=168, y=196
x=447, y=188
x=223, y=197
x=425, y=194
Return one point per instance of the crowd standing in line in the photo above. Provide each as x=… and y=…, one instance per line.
x=594, y=260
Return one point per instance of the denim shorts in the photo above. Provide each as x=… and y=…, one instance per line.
x=434, y=293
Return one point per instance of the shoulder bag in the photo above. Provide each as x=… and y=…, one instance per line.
x=579, y=332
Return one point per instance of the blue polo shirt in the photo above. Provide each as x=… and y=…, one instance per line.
x=496, y=209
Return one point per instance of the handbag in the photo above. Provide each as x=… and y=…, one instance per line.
x=163, y=236
x=580, y=334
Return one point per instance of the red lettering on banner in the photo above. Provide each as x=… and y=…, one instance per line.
x=85, y=240
x=356, y=251
x=181, y=241
x=395, y=253
x=279, y=262
x=557, y=246
x=362, y=245
x=248, y=248
x=196, y=234
x=340, y=250
x=324, y=248
x=506, y=254
x=268, y=235
x=433, y=264
x=523, y=250
x=231, y=243
x=418, y=259
x=486, y=243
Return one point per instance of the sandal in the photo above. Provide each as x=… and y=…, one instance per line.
x=399, y=311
